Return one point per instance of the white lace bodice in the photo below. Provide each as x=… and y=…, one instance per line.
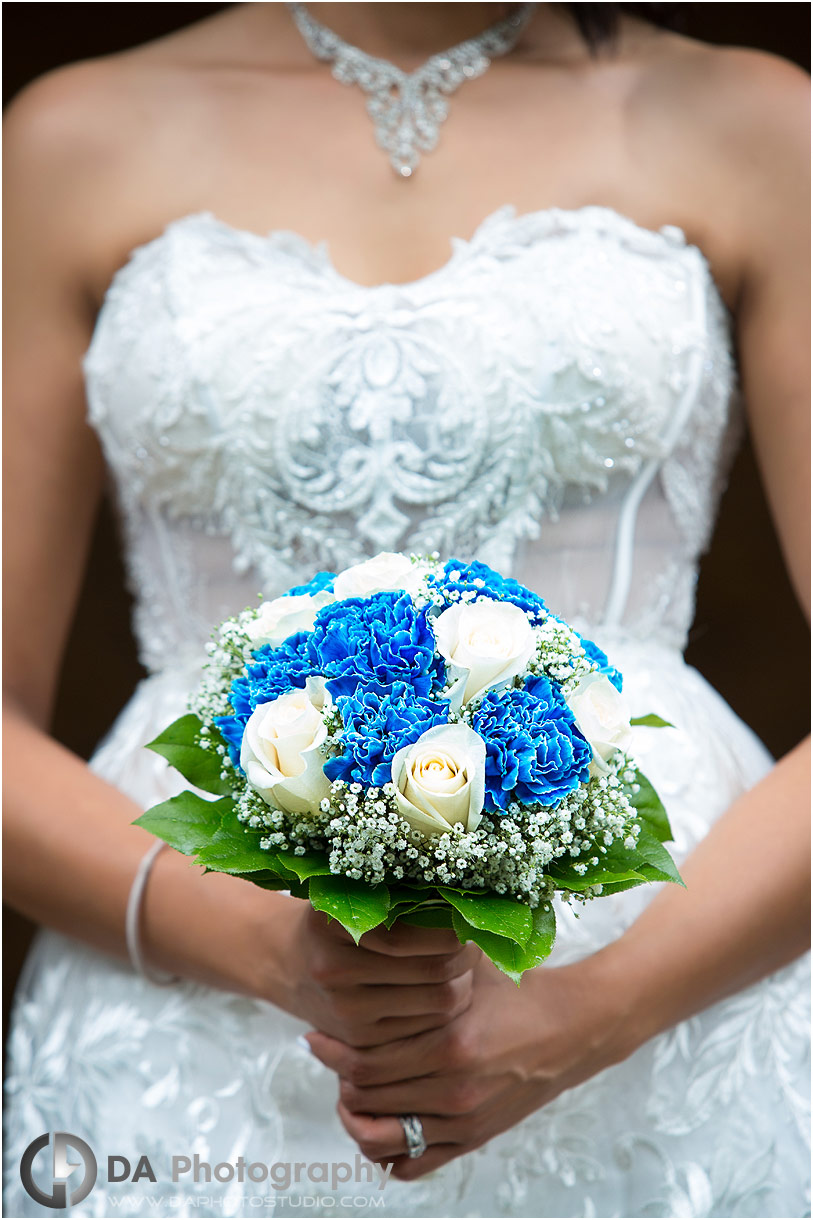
x=554, y=400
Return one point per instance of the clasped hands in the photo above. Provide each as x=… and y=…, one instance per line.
x=413, y=1022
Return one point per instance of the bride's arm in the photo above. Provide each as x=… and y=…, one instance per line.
x=745, y=911
x=70, y=850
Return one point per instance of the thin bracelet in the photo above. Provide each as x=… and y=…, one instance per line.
x=132, y=920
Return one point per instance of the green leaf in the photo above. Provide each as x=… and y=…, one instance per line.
x=506, y=954
x=357, y=906
x=179, y=745
x=298, y=889
x=428, y=917
x=233, y=849
x=266, y=880
x=406, y=898
x=312, y=864
x=616, y=863
x=187, y=822
x=491, y=913
x=649, y=807
x=618, y=887
x=620, y=867
x=606, y=872
x=652, y=722
x=401, y=909
x=544, y=933
x=654, y=860
x=404, y=892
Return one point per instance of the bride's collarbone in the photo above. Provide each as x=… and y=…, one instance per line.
x=381, y=230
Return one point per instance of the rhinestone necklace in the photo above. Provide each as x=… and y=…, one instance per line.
x=408, y=108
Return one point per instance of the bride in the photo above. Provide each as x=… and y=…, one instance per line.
x=556, y=395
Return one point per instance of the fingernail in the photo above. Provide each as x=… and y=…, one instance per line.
x=303, y=1042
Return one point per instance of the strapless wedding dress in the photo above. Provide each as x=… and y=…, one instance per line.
x=559, y=400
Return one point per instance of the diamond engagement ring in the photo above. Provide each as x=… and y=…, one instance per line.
x=413, y=1130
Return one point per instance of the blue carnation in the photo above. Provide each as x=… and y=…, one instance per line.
x=482, y=580
x=275, y=671
x=594, y=653
x=534, y=751
x=322, y=580
x=231, y=729
x=377, y=724
x=376, y=641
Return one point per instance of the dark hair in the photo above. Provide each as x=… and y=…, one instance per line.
x=598, y=23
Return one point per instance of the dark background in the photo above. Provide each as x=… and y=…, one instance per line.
x=741, y=577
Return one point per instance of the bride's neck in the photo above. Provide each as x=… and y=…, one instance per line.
x=408, y=31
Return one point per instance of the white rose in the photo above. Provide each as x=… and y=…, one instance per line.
x=440, y=780
x=486, y=641
x=602, y=717
x=282, y=617
x=280, y=752
x=384, y=573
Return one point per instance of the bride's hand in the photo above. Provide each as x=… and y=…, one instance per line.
x=220, y=931
x=512, y=1051
x=392, y=985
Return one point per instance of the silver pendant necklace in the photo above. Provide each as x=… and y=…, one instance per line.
x=408, y=108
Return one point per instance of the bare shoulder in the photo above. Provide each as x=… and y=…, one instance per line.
x=60, y=142
x=735, y=104
x=759, y=101
x=70, y=140
x=98, y=108
x=747, y=73
x=753, y=112
x=64, y=114
x=107, y=101
x=92, y=134
x=101, y=153
x=724, y=135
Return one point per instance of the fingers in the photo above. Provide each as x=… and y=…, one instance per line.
x=363, y=1037
x=440, y=1048
x=445, y=999
x=383, y=1139
x=443, y=1096
x=337, y=964
x=395, y=985
x=420, y=968
x=356, y=1012
x=319, y=924
x=403, y=940
x=407, y=1170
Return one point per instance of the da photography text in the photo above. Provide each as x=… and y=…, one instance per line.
x=280, y=1174
x=54, y=1181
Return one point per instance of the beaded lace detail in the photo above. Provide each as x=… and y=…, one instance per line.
x=249, y=395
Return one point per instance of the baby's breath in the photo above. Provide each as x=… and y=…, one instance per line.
x=365, y=838
x=361, y=831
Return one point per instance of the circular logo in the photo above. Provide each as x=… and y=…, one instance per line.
x=56, y=1192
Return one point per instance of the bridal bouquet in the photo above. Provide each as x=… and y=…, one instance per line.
x=417, y=741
